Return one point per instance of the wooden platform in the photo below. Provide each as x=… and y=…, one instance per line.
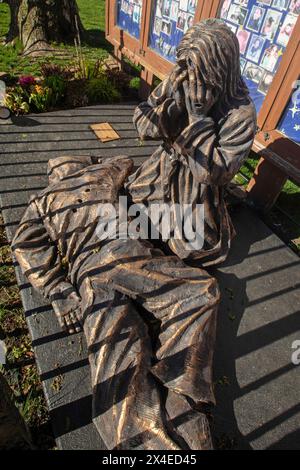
x=257, y=385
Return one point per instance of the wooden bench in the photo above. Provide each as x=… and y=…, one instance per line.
x=257, y=386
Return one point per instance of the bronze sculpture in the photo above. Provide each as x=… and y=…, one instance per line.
x=148, y=308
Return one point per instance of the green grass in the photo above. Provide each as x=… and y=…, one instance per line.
x=284, y=217
x=94, y=45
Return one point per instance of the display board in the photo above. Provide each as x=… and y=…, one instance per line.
x=129, y=16
x=263, y=29
x=170, y=19
x=289, y=124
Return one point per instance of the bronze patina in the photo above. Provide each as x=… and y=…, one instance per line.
x=148, y=308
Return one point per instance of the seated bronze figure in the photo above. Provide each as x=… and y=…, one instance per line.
x=148, y=308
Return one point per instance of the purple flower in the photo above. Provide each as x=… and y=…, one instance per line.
x=26, y=81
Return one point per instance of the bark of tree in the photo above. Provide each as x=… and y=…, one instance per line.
x=38, y=22
x=13, y=431
x=13, y=32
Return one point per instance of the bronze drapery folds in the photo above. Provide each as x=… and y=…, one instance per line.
x=148, y=309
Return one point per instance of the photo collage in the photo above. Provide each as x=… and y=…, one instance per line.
x=263, y=29
x=170, y=20
x=129, y=16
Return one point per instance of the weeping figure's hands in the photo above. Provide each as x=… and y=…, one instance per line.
x=199, y=97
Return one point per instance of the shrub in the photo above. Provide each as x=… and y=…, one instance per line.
x=17, y=101
x=40, y=98
x=75, y=94
x=101, y=90
x=26, y=81
x=49, y=69
x=135, y=83
x=57, y=85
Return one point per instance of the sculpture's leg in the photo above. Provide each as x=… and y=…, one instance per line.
x=185, y=300
x=127, y=407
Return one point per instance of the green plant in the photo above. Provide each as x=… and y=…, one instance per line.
x=57, y=85
x=101, y=90
x=50, y=69
x=17, y=101
x=40, y=98
x=135, y=83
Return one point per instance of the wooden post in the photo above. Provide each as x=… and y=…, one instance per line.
x=266, y=184
x=146, y=84
x=118, y=56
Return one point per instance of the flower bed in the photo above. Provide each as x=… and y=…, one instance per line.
x=68, y=87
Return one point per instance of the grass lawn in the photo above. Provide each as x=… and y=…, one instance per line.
x=92, y=13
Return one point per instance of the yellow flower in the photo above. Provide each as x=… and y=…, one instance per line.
x=39, y=89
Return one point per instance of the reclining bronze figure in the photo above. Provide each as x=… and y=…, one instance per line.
x=148, y=308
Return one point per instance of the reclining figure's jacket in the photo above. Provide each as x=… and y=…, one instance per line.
x=58, y=230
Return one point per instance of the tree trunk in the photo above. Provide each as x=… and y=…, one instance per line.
x=13, y=32
x=43, y=21
x=13, y=431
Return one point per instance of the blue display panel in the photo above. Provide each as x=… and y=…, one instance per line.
x=170, y=20
x=290, y=121
x=129, y=16
x=263, y=29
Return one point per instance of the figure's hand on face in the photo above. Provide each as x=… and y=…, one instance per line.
x=199, y=98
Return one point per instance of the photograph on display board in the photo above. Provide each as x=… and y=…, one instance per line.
x=167, y=8
x=243, y=37
x=159, y=8
x=181, y=22
x=281, y=4
x=295, y=7
x=287, y=29
x=242, y=63
x=243, y=3
x=255, y=48
x=271, y=24
x=189, y=22
x=270, y=57
x=166, y=27
x=237, y=14
x=253, y=72
x=265, y=83
x=256, y=18
x=192, y=4
x=136, y=14
x=267, y=3
x=225, y=8
x=183, y=5
x=157, y=26
x=174, y=11
x=232, y=27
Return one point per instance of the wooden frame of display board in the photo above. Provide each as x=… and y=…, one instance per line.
x=279, y=156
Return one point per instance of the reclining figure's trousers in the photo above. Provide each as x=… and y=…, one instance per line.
x=132, y=373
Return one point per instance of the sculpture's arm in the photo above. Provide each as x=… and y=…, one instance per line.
x=157, y=118
x=213, y=155
x=41, y=263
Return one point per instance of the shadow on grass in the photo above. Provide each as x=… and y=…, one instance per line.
x=96, y=38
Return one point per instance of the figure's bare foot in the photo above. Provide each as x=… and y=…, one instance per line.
x=191, y=425
x=67, y=308
x=70, y=323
